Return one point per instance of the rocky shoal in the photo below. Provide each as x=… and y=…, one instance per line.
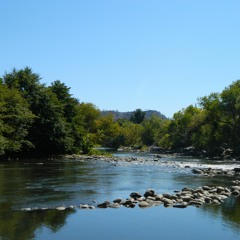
x=157, y=158
x=214, y=172
x=180, y=199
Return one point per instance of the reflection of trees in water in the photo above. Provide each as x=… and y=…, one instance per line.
x=32, y=183
x=49, y=183
x=229, y=210
x=23, y=224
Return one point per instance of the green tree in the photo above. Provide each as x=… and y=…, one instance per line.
x=132, y=134
x=49, y=133
x=230, y=118
x=153, y=130
x=182, y=127
x=69, y=103
x=108, y=131
x=137, y=116
x=15, y=120
x=85, y=126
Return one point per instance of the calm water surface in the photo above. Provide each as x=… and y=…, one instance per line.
x=39, y=184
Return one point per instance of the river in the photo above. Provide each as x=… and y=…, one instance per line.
x=40, y=184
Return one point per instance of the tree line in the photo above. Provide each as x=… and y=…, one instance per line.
x=39, y=120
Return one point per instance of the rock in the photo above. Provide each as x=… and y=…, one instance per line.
x=141, y=199
x=143, y=204
x=84, y=206
x=149, y=192
x=206, y=188
x=215, y=201
x=135, y=195
x=180, y=205
x=236, y=182
x=118, y=200
x=151, y=202
x=208, y=200
x=236, y=170
x=220, y=189
x=159, y=197
x=186, y=198
x=155, y=149
x=132, y=205
x=185, y=189
x=167, y=202
x=223, y=197
x=104, y=204
x=197, y=203
x=236, y=193
x=233, y=188
x=114, y=205
x=174, y=197
x=60, y=208
x=26, y=209
x=197, y=171
x=151, y=198
x=166, y=195
x=227, y=153
x=129, y=203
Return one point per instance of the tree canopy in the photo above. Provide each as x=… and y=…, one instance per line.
x=40, y=120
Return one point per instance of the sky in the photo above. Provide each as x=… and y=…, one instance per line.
x=125, y=54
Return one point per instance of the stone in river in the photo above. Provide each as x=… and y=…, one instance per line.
x=135, y=195
x=149, y=192
x=143, y=204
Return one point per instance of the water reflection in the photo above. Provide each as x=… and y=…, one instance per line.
x=23, y=224
x=54, y=183
x=229, y=212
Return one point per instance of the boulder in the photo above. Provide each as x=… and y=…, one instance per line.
x=149, y=192
x=167, y=202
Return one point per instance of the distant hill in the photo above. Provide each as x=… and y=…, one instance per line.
x=127, y=115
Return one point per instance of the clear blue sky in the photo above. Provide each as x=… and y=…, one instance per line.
x=125, y=54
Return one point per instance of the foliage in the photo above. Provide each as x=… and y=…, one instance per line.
x=39, y=120
x=137, y=116
x=15, y=118
x=56, y=128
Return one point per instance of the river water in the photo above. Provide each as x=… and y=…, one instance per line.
x=48, y=184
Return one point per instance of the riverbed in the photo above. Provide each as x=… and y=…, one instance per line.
x=31, y=190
